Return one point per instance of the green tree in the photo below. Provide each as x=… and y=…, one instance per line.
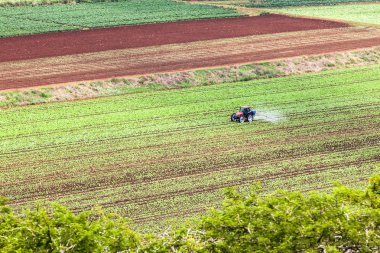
x=56, y=229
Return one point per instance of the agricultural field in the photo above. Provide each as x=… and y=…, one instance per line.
x=155, y=48
x=54, y=18
x=153, y=152
x=161, y=154
x=181, y=56
x=286, y=3
x=355, y=13
x=137, y=36
x=190, y=78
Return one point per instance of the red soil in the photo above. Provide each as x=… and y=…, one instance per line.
x=177, y=57
x=85, y=41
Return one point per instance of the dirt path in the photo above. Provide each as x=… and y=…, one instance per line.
x=78, y=42
x=177, y=57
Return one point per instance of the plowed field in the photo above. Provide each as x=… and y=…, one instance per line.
x=76, y=42
x=181, y=56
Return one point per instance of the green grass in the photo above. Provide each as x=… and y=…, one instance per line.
x=284, y=3
x=53, y=18
x=162, y=154
x=362, y=13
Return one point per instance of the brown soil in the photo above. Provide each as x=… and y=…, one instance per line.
x=177, y=57
x=85, y=41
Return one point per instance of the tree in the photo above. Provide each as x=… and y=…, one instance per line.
x=56, y=229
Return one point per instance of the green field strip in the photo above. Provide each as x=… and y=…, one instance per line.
x=123, y=131
x=52, y=18
x=99, y=147
x=103, y=148
x=185, y=155
x=356, y=13
x=9, y=24
x=77, y=146
x=188, y=181
x=315, y=125
x=173, y=98
x=114, y=112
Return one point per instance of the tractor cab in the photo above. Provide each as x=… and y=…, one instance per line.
x=245, y=109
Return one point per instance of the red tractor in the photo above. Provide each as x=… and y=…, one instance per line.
x=244, y=114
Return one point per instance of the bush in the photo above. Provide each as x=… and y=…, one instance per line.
x=264, y=13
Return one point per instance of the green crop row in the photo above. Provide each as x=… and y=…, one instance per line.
x=54, y=18
x=169, y=153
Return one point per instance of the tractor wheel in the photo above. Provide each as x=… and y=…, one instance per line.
x=242, y=119
x=233, y=118
x=250, y=118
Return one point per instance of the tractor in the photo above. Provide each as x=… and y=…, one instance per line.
x=244, y=114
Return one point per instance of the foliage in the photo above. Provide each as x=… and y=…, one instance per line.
x=345, y=220
x=366, y=13
x=54, y=18
x=341, y=221
x=284, y=3
x=164, y=153
x=56, y=229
